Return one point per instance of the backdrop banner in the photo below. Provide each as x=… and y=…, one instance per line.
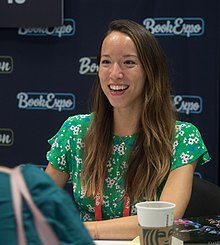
x=46, y=73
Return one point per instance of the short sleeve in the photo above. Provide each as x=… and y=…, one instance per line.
x=65, y=142
x=60, y=154
x=188, y=146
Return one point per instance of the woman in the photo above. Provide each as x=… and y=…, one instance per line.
x=131, y=148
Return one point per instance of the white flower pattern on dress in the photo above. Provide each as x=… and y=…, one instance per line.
x=66, y=154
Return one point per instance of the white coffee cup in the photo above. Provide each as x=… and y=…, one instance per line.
x=155, y=219
x=155, y=213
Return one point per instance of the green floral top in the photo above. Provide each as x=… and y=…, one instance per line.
x=66, y=154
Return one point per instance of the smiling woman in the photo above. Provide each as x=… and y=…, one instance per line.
x=119, y=71
x=131, y=147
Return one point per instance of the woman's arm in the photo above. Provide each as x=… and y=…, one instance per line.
x=178, y=188
x=125, y=228
x=60, y=178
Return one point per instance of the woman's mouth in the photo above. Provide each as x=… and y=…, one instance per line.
x=118, y=88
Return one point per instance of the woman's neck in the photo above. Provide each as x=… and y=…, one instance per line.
x=125, y=123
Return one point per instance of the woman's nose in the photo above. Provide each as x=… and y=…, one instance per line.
x=116, y=72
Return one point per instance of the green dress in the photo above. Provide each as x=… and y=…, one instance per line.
x=66, y=154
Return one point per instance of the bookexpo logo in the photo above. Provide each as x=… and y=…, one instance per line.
x=67, y=29
x=175, y=26
x=88, y=66
x=6, y=137
x=6, y=64
x=46, y=101
x=16, y=1
x=188, y=104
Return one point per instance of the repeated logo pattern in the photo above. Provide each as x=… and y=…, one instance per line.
x=46, y=101
x=6, y=137
x=6, y=64
x=67, y=29
x=188, y=27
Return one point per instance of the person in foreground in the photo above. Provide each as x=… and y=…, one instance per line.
x=54, y=203
x=131, y=147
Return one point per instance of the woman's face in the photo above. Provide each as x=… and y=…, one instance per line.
x=121, y=74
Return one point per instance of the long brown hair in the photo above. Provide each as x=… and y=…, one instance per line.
x=149, y=162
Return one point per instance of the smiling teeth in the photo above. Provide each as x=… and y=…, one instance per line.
x=118, y=87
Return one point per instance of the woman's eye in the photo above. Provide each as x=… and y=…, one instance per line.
x=129, y=62
x=105, y=62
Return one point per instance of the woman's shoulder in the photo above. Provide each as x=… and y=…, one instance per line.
x=80, y=118
x=185, y=126
x=76, y=126
x=188, y=145
x=76, y=121
x=187, y=130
